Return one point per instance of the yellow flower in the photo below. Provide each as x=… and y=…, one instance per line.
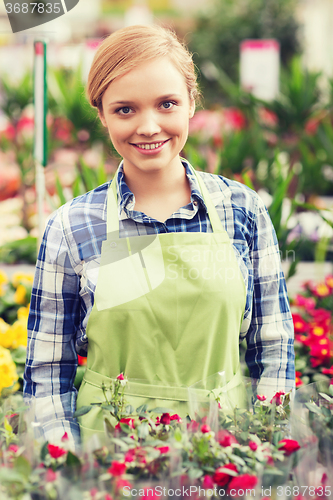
x=23, y=312
x=22, y=278
x=8, y=375
x=6, y=334
x=3, y=278
x=3, y=281
x=20, y=334
x=20, y=294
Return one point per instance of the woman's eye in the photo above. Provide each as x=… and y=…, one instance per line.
x=168, y=105
x=124, y=111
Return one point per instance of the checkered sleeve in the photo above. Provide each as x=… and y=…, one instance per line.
x=270, y=338
x=54, y=315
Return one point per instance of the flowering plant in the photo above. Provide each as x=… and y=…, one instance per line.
x=153, y=447
x=312, y=317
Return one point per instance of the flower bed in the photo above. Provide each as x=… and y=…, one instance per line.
x=222, y=450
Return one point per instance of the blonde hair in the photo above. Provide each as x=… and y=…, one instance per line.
x=131, y=46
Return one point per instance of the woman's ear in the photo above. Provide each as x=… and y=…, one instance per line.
x=192, y=108
x=101, y=117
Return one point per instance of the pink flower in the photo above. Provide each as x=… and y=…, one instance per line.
x=163, y=449
x=277, y=398
x=205, y=428
x=93, y=492
x=56, y=451
x=120, y=377
x=121, y=483
x=50, y=476
x=208, y=483
x=193, y=426
x=130, y=455
x=13, y=448
x=261, y=397
x=241, y=483
x=108, y=497
x=253, y=446
x=65, y=437
x=117, y=468
x=222, y=478
x=165, y=419
x=289, y=446
x=225, y=438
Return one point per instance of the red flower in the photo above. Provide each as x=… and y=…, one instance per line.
x=241, y=483
x=220, y=477
x=175, y=417
x=328, y=371
x=56, y=451
x=261, y=397
x=81, y=360
x=165, y=419
x=308, y=303
x=225, y=438
x=193, y=426
x=298, y=380
x=208, y=483
x=120, y=377
x=289, y=446
x=163, y=449
x=253, y=446
x=277, y=398
x=205, y=428
x=117, y=468
x=300, y=326
x=125, y=420
x=108, y=497
x=234, y=119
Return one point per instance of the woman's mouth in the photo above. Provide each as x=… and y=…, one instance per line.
x=150, y=147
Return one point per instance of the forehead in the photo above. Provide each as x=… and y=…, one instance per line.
x=155, y=77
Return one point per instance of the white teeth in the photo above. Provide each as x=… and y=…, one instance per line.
x=149, y=146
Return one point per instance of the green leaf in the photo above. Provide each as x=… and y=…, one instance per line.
x=330, y=389
x=143, y=430
x=44, y=451
x=19, y=355
x=195, y=473
x=313, y=408
x=129, y=409
x=323, y=395
x=72, y=460
x=60, y=191
x=121, y=443
x=159, y=409
x=22, y=466
x=142, y=409
x=82, y=411
x=178, y=435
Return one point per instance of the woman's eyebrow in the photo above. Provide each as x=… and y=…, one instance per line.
x=130, y=103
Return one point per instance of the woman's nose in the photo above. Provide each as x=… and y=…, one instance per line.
x=148, y=125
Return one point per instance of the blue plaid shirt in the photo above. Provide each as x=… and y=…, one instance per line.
x=66, y=276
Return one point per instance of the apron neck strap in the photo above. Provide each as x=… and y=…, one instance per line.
x=112, y=219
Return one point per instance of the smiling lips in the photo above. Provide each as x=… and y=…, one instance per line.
x=150, y=147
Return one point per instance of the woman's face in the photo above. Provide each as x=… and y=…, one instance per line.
x=147, y=113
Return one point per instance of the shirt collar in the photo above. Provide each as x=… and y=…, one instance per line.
x=127, y=197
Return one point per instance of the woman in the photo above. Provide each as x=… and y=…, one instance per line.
x=160, y=273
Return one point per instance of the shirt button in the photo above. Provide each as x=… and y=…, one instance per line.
x=195, y=203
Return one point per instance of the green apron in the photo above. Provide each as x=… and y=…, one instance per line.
x=167, y=313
